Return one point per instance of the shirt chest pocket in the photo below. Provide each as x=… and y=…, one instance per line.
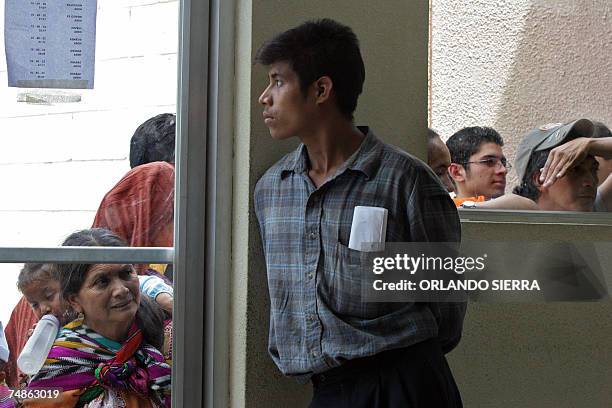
x=344, y=283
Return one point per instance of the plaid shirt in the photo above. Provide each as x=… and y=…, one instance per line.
x=317, y=319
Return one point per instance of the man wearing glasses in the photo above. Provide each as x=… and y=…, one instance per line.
x=478, y=166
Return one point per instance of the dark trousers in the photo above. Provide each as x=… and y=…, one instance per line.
x=413, y=377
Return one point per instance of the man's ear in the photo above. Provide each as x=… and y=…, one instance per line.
x=457, y=172
x=535, y=178
x=323, y=87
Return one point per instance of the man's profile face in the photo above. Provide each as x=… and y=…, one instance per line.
x=439, y=159
x=573, y=192
x=287, y=111
x=485, y=175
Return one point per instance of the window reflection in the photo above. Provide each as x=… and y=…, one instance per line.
x=73, y=159
x=518, y=66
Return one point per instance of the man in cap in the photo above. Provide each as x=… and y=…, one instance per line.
x=478, y=166
x=438, y=158
x=557, y=168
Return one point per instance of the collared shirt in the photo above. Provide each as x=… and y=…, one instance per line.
x=317, y=319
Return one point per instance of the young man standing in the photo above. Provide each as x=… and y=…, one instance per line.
x=478, y=166
x=355, y=353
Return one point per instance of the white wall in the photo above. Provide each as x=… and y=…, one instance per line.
x=57, y=161
x=517, y=64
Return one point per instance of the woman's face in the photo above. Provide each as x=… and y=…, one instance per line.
x=109, y=299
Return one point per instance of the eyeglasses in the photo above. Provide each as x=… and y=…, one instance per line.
x=493, y=162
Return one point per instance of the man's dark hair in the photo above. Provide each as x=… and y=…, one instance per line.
x=154, y=140
x=528, y=187
x=464, y=143
x=431, y=134
x=320, y=48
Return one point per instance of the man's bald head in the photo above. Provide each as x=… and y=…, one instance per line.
x=439, y=159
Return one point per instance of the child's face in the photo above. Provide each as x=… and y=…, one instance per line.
x=44, y=297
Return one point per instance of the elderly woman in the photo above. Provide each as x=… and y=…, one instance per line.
x=110, y=356
x=139, y=209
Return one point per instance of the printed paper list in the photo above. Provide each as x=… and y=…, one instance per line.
x=50, y=44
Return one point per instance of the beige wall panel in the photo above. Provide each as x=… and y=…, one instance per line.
x=535, y=355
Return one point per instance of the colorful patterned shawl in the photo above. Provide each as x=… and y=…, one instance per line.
x=6, y=401
x=81, y=358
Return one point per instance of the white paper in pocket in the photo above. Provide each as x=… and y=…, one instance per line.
x=369, y=229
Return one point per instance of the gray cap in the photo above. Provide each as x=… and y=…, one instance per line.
x=546, y=137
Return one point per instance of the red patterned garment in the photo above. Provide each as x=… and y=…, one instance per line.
x=16, y=332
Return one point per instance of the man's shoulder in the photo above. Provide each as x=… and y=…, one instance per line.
x=395, y=159
x=272, y=176
x=407, y=169
x=396, y=154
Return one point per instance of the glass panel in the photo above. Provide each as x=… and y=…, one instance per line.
x=65, y=149
x=517, y=66
x=67, y=153
x=60, y=158
x=41, y=290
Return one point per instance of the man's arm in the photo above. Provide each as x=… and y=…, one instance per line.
x=508, y=202
x=156, y=289
x=431, y=212
x=434, y=218
x=605, y=193
x=572, y=153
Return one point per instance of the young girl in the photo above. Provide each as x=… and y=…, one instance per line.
x=42, y=291
x=41, y=296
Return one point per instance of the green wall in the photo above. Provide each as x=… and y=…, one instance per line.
x=536, y=355
x=545, y=355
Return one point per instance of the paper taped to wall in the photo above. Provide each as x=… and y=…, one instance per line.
x=50, y=44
